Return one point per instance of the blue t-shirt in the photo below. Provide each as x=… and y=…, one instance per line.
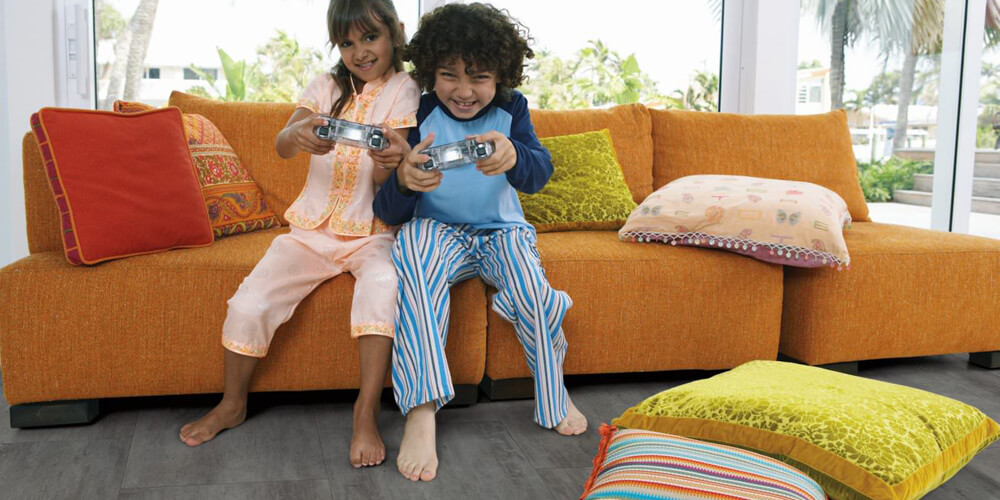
x=465, y=195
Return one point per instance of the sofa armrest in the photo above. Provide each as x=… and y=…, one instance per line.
x=42, y=216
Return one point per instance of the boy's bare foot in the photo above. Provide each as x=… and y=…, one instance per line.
x=417, y=459
x=367, y=448
x=223, y=416
x=574, y=424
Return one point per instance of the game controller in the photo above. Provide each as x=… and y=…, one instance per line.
x=456, y=154
x=355, y=134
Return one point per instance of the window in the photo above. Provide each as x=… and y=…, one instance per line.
x=984, y=219
x=885, y=73
x=591, y=55
x=281, y=45
x=209, y=74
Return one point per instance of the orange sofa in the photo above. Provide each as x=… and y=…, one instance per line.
x=151, y=324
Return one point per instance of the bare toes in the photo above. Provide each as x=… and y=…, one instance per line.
x=427, y=475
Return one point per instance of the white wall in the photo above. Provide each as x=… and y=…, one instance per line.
x=27, y=83
x=5, y=195
x=760, y=56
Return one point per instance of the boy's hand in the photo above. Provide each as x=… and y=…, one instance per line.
x=390, y=157
x=304, y=137
x=414, y=179
x=502, y=160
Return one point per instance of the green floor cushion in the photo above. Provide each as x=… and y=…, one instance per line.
x=646, y=465
x=858, y=438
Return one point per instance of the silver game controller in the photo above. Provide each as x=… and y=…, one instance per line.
x=355, y=134
x=456, y=154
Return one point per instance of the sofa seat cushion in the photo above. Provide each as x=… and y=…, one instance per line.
x=152, y=324
x=910, y=292
x=649, y=307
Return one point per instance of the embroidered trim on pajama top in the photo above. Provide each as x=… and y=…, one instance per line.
x=373, y=328
x=342, y=186
x=247, y=349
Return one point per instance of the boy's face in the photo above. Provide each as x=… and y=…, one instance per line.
x=464, y=93
x=367, y=55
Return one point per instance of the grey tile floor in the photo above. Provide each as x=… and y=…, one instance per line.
x=295, y=445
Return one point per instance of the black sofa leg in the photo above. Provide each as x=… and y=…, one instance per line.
x=988, y=359
x=848, y=367
x=511, y=388
x=465, y=395
x=82, y=411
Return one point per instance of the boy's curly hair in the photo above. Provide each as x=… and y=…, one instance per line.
x=486, y=38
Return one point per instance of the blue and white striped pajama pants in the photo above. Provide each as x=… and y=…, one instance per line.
x=430, y=257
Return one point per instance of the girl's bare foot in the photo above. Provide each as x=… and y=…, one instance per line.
x=417, y=459
x=224, y=416
x=574, y=424
x=367, y=448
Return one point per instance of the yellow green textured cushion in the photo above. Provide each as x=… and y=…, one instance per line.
x=587, y=189
x=857, y=438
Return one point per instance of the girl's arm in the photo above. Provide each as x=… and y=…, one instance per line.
x=389, y=158
x=298, y=135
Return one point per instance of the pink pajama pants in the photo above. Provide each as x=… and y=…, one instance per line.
x=294, y=265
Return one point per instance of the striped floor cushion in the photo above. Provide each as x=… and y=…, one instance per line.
x=638, y=464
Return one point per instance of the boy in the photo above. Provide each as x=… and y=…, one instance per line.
x=468, y=222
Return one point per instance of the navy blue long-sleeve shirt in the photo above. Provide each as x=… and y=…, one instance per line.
x=465, y=195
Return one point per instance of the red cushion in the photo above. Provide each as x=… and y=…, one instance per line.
x=235, y=203
x=124, y=184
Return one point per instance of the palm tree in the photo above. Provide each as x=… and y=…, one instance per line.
x=142, y=31
x=130, y=54
x=925, y=38
x=847, y=20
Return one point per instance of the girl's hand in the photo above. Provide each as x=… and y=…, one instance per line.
x=414, y=179
x=302, y=135
x=389, y=158
x=502, y=160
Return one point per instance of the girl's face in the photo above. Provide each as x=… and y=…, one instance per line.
x=367, y=55
x=464, y=93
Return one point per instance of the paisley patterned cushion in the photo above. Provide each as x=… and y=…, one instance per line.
x=235, y=203
x=587, y=189
x=857, y=438
x=786, y=222
x=638, y=464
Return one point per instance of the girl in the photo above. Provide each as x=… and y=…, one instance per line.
x=333, y=229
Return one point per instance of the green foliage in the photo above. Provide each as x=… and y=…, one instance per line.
x=701, y=95
x=880, y=178
x=814, y=64
x=986, y=137
x=281, y=70
x=110, y=23
x=598, y=76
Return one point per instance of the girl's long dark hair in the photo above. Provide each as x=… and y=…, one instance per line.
x=341, y=16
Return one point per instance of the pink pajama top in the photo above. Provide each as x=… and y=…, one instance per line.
x=340, y=188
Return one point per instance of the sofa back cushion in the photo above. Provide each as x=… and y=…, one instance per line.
x=811, y=148
x=251, y=128
x=630, y=129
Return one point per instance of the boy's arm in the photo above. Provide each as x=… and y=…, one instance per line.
x=534, y=163
x=393, y=203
